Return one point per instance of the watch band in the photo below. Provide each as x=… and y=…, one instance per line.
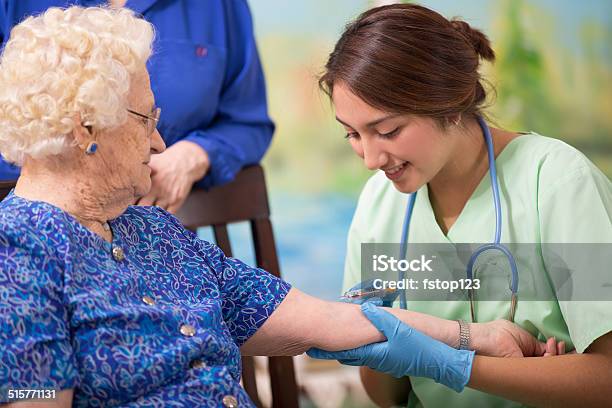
x=464, y=335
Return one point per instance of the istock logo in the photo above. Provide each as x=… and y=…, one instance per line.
x=384, y=263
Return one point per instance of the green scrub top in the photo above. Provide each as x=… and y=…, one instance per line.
x=550, y=193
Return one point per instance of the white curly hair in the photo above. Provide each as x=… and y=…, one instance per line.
x=64, y=62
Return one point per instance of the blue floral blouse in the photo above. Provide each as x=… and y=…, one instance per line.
x=154, y=319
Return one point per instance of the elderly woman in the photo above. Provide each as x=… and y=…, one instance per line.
x=111, y=304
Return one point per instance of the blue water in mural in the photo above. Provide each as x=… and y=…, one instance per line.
x=310, y=233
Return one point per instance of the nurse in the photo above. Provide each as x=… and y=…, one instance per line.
x=405, y=85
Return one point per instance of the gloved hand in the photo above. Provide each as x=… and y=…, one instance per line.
x=386, y=299
x=407, y=352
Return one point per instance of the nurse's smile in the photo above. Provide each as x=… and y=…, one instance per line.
x=395, y=172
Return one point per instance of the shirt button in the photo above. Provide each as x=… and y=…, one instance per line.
x=118, y=253
x=229, y=401
x=187, y=330
x=148, y=300
x=197, y=364
x=201, y=51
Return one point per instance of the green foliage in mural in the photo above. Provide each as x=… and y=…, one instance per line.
x=524, y=97
x=548, y=87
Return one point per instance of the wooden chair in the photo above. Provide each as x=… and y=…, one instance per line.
x=5, y=188
x=244, y=199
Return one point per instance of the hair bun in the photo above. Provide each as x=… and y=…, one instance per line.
x=477, y=38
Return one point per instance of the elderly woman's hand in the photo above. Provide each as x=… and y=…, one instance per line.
x=174, y=172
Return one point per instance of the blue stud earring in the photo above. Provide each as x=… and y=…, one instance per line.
x=91, y=148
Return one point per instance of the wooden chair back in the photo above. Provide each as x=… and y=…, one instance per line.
x=5, y=188
x=245, y=199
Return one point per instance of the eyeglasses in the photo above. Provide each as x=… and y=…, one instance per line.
x=152, y=119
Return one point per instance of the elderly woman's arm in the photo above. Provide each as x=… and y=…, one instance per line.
x=302, y=322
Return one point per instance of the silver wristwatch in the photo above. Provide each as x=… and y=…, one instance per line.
x=464, y=335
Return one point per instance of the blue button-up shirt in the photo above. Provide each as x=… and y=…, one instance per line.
x=205, y=74
x=160, y=320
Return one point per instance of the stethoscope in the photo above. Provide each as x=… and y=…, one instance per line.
x=495, y=245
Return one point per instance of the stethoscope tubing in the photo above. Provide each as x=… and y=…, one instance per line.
x=495, y=245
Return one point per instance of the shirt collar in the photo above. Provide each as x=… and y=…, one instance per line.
x=140, y=6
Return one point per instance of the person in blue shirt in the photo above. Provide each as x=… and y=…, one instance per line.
x=206, y=77
x=110, y=304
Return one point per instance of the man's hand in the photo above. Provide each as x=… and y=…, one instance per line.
x=174, y=172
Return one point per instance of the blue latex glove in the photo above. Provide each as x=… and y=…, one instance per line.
x=387, y=300
x=407, y=352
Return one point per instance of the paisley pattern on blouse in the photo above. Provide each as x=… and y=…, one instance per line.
x=118, y=331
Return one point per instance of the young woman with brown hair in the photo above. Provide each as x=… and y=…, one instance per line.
x=405, y=85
